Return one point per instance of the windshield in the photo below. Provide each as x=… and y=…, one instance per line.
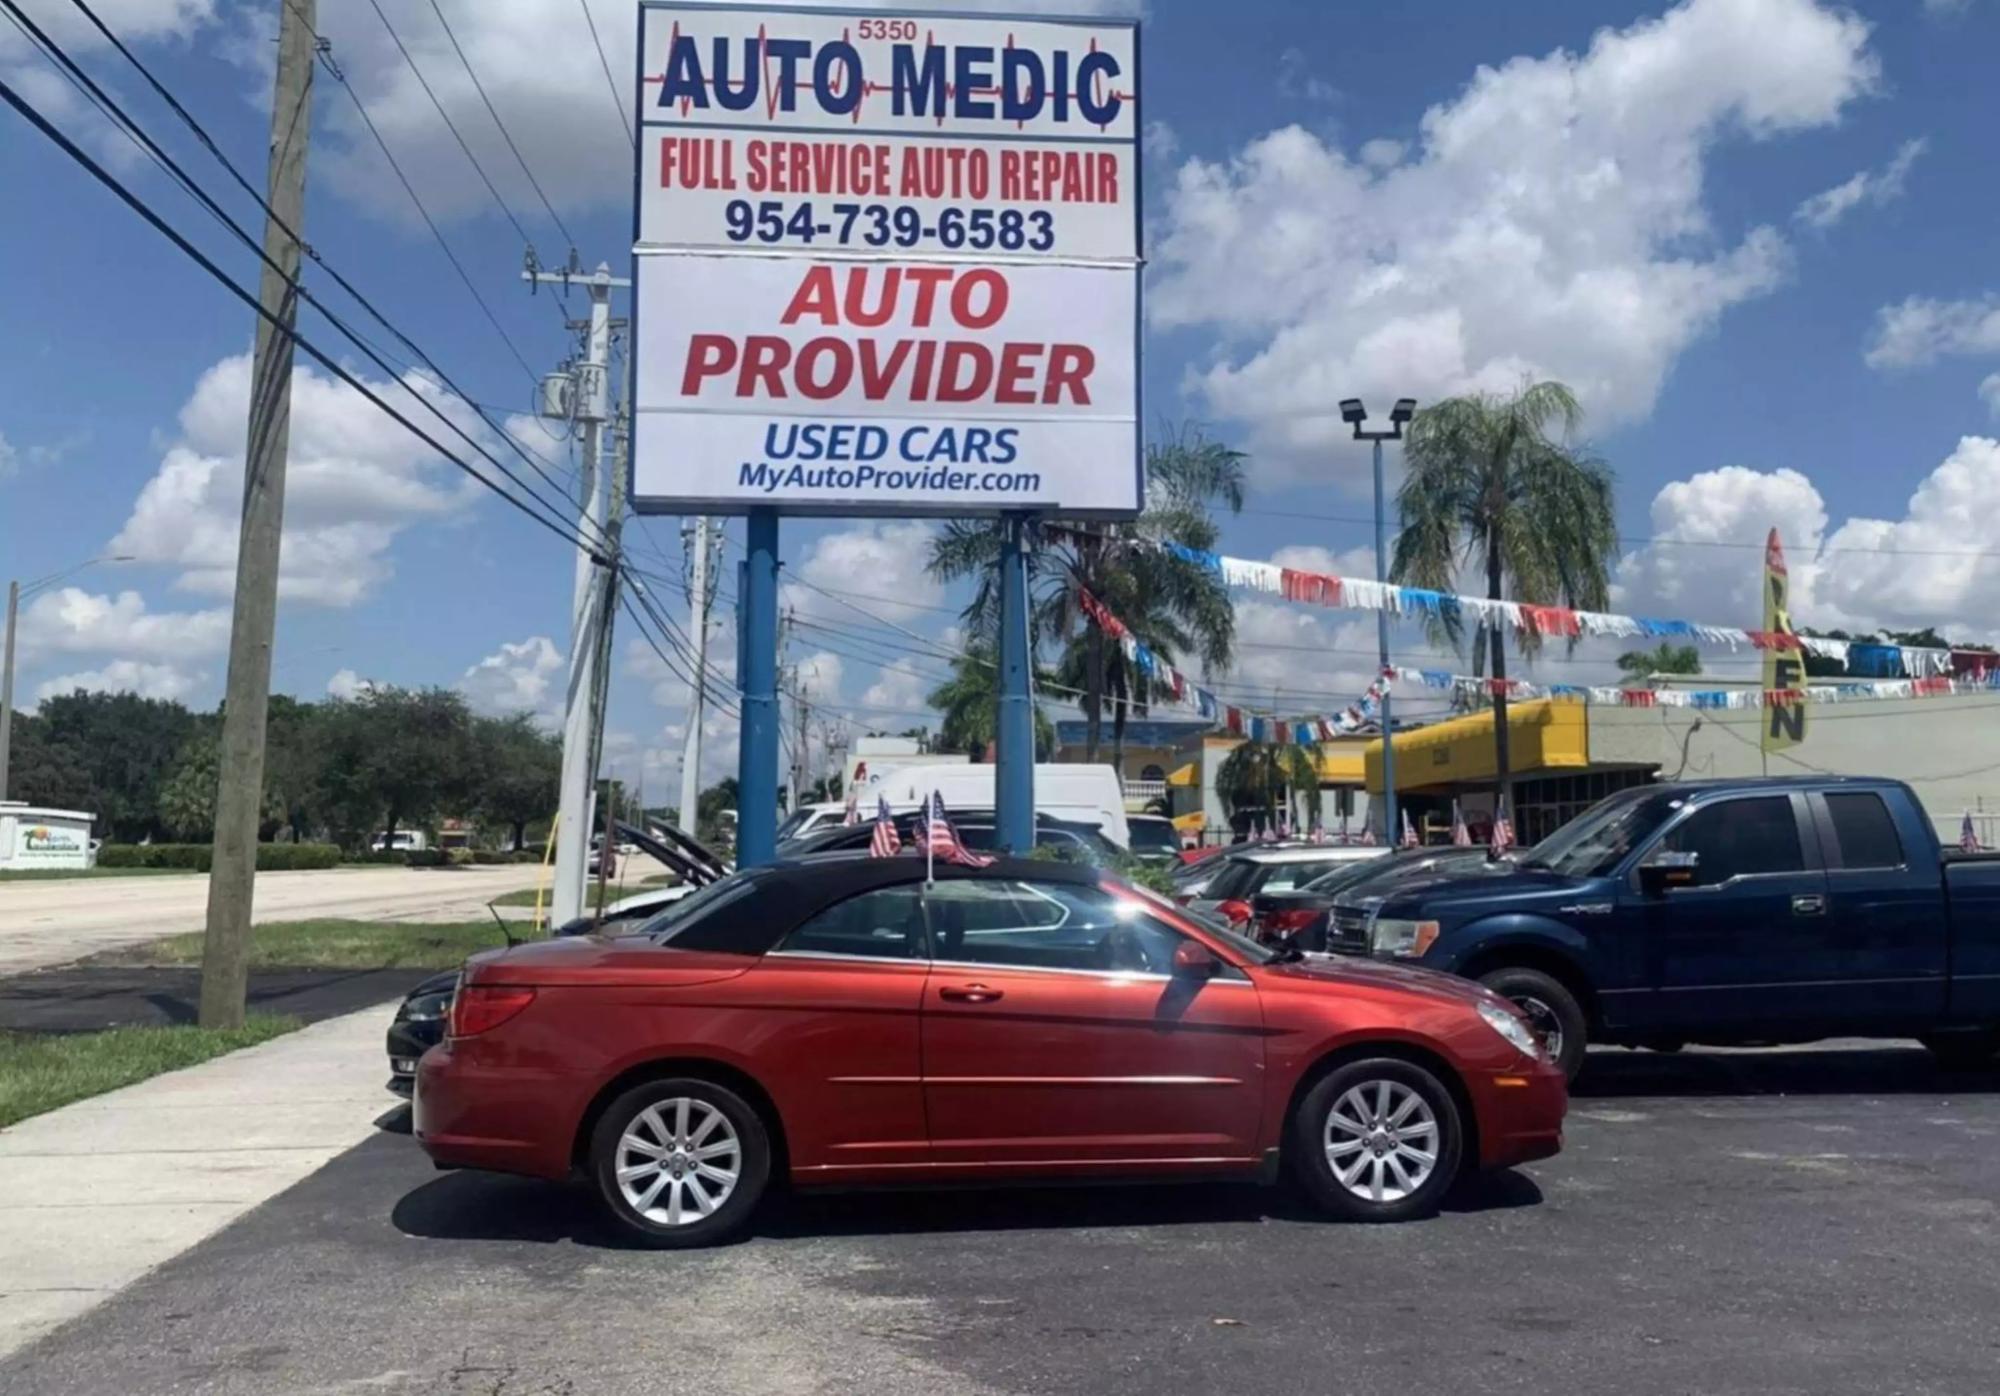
x=1241, y=944
x=792, y=827
x=1347, y=874
x=1154, y=836
x=1237, y=877
x=1597, y=840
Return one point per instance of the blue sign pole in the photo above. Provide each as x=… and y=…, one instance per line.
x=1014, y=778
x=757, y=752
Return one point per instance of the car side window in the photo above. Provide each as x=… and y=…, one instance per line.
x=885, y=924
x=1864, y=831
x=1046, y=925
x=1739, y=838
x=1285, y=876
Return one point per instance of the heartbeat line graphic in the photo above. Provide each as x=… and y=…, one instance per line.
x=870, y=88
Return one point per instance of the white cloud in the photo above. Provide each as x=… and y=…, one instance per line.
x=539, y=66
x=346, y=685
x=877, y=567
x=1989, y=393
x=354, y=480
x=1160, y=141
x=1297, y=82
x=1550, y=222
x=1932, y=566
x=1921, y=330
x=1946, y=7
x=1381, y=153
x=134, y=21
x=127, y=676
x=527, y=676
x=1877, y=187
x=71, y=620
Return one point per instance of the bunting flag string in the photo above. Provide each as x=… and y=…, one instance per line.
x=1862, y=659
x=1308, y=731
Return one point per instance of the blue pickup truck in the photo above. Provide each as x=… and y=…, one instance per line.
x=1734, y=911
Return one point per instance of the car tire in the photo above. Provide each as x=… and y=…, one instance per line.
x=1355, y=1163
x=1963, y=1051
x=1552, y=1011
x=673, y=1140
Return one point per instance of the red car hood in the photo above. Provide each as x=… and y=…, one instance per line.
x=603, y=960
x=1350, y=972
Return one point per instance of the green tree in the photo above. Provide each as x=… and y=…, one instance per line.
x=126, y=746
x=711, y=827
x=187, y=796
x=1266, y=776
x=1489, y=480
x=1667, y=658
x=395, y=757
x=968, y=706
x=519, y=773
x=294, y=764
x=1174, y=606
x=44, y=769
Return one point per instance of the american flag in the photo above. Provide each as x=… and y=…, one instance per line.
x=1318, y=834
x=1367, y=839
x=885, y=844
x=1410, y=839
x=1503, y=831
x=1461, y=837
x=1968, y=837
x=940, y=840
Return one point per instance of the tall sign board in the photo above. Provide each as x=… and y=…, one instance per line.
x=887, y=263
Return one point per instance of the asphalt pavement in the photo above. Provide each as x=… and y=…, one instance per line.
x=1805, y=1221
x=87, y=998
x=56, y=921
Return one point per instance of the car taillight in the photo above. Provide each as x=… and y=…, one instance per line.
x=478, y=1008
x=1288, y=922
x=1236, y=913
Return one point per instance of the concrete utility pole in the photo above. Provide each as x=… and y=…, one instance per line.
x=7, y=685
x=581, y=395
x=701, y=596
x=239, y=797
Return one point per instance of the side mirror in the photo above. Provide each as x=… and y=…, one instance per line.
x=1193, y=961
x=1667, y=870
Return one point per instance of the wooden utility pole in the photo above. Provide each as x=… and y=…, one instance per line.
x=239, y=796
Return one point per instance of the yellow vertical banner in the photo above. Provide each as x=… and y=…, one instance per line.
x=1784, y=669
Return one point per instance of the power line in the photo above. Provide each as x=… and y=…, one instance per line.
x=188, y=249
x=610, y=83
x=480, y=87
x=151, y=148
x=327, y=61
x=450, y=125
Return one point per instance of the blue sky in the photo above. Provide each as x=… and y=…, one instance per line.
x=1755, y=234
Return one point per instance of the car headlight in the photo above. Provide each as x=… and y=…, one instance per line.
x=1509, y=1025
x=426, y=1008
x=1389, y=936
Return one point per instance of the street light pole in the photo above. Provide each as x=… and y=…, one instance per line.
x=1351, y=411
x=16, y=593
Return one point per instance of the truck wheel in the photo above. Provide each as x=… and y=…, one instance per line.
x=1964, y=1051
x=1552, y=1011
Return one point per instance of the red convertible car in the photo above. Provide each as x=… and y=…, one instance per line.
x=839, y=1021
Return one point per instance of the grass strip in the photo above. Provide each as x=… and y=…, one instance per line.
x=43, y=1071
x=332, y=944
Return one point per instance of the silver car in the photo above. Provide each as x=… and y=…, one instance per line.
x=1242, y=873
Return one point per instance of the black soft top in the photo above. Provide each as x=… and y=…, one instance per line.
x=788, y=892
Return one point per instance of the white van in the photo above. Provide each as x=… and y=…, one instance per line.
x=1086, y=794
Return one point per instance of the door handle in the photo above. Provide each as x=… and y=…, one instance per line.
x=969, y=993
x=1809, y=905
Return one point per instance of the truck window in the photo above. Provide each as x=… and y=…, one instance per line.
x=1866, y=834
x=1738, y=838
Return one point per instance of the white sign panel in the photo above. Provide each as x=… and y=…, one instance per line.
x=887, y=263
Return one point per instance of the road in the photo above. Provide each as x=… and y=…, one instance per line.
x=54, y=922
x=1805, y=1221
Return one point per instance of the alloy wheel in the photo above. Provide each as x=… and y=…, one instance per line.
x=1381, y=1141
x=678, y=1161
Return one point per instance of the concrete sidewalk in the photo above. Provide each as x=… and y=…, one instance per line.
x=94, y=1195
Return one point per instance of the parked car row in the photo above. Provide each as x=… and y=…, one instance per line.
x=854, y=1021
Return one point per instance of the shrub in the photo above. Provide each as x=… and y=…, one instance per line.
x=426, y=858
x=486, y=857
x=197, y=857
x=458, y=857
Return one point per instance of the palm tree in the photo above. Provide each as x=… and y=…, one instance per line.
x=1175, y=607
x=968, y=703
x=1668, y=658
x=1486, y=479
x=1264, y=775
